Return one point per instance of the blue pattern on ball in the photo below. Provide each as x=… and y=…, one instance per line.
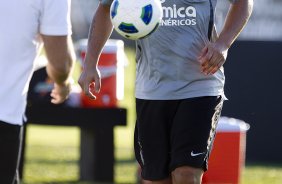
x=128, y=28
x=114, y=10
x=147, y=14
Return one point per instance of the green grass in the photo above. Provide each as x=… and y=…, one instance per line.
x=262, y=173
x=52, y=153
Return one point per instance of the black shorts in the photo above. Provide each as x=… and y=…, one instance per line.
x=174, y=133
x=10, y=147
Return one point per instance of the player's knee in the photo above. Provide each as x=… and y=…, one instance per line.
x=187, y=175
x=164, y=181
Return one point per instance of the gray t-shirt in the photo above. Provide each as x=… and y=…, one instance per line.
x=167, y=65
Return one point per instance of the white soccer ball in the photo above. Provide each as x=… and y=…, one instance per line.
x=136, y=19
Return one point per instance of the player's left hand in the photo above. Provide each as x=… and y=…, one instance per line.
x=60, y=92
x=212, y=57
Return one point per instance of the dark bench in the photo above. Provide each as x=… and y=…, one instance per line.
x=96, y=124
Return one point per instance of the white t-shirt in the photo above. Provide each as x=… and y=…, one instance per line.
x=21, y=22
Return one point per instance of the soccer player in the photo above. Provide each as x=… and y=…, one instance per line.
x=179, y=85
x=22, y=26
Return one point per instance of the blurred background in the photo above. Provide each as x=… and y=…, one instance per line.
x=253, y=87
x=264, y=24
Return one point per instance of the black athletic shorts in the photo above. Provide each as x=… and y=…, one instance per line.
x=174, y=133
x=10, y=151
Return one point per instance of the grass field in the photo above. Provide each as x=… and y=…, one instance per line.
x=52, y=153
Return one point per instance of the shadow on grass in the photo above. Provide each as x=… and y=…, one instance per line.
x=44, y=161
x=263, y=164
x=72, y=182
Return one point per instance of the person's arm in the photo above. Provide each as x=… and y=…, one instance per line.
x=101, y=29
x=61, y=56
x=214, y=54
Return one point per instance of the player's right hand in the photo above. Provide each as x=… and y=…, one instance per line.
x=90, y=81
x=61, y=92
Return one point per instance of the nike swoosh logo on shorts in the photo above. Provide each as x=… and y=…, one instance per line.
x=196, y=154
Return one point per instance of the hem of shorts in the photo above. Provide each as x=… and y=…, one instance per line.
x=154, y=178
x=203, y=167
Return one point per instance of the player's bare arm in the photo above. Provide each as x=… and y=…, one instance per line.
x=101, y=29
x=60, y=54
x=214, y=54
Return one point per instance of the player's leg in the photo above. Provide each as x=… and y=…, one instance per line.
x=152, y=149
x=192, y=135
x=165, y=181
x=10, y=140
x=187, y=175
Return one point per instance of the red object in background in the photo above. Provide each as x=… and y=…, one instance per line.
x=111, y=65
x=227, y=158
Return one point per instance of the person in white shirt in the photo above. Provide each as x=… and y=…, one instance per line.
x=24, y=26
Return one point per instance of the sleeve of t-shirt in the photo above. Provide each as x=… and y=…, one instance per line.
x=55, y=17
x=106, y=2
